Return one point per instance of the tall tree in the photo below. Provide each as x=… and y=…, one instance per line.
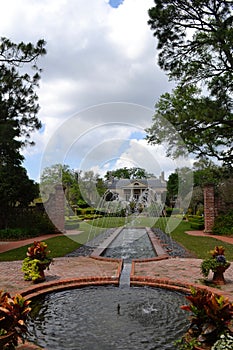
x=195, y=40
x=18, y=118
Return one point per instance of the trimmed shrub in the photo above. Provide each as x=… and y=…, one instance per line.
x=71, y=225
x=26, y=223
x=223, y=224
x=196, y=221
x=197, y=226
x=17, y=233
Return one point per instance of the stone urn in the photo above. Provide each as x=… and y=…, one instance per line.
x=218, y=277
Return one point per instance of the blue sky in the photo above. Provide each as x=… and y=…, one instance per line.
x=101, y=56
x=115, y=3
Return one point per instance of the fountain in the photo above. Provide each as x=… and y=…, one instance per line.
x=99, y=318
x=102, y=318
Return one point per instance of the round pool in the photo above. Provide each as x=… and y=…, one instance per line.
x=104, y=318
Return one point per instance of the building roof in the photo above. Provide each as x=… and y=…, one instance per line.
x=147, y=183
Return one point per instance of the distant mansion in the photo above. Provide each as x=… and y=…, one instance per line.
x=134, y=189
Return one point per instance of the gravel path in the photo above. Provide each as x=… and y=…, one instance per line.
x=90, y=246
x=173, y=248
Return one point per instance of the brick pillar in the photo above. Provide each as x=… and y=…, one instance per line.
x=55, y=208
x=209, y=207
x=60, y=208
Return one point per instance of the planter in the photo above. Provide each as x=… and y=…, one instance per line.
x=218, y=277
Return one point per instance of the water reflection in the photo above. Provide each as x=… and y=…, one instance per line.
x=131, y=243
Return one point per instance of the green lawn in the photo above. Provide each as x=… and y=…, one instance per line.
x=199, y=246
x=61, y=245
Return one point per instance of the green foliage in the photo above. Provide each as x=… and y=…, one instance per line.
x=197, y=222
x=17, y=233
x=186, y=344
x=71, y=225
x=209, y=49
x=27, y=222
x=211, y=315
x=15, y=189
x=31, y=270
x=128, y=173
x=172, y=187
x=197, y=226
x=223, y=224
x=80, y=188
x=183, y=121
x=195, y=49
x=13, y=316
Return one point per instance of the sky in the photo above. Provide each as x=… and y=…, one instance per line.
x=99, y=84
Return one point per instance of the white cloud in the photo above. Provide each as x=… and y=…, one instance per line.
x=96, y=54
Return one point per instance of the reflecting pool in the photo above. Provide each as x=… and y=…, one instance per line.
x=131, y=243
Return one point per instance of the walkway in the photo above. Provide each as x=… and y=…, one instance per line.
x=220, y=238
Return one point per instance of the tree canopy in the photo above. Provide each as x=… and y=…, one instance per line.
x=128, y=173
x=81, y=188
x=195, y=43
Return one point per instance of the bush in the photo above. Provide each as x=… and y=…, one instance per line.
x=71, y=225
x=196, y=221
x=27, y=223
x=168, y=211
x=223, y=224
x=197, y=226
x=17, y=233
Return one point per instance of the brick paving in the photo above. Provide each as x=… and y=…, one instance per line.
x=178, y=274
x=63, y=272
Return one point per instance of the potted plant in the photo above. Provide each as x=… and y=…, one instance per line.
x=36, y=262
x=13, y=315
x=211, y=318
x=217, y=263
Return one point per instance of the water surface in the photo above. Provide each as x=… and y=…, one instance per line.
x=131, y=243
x=108, y=318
